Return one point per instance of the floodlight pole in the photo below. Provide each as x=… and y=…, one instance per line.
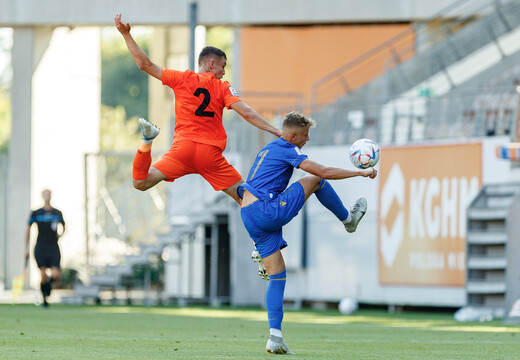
x=193, y=24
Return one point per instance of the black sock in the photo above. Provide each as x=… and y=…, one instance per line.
x=46, y=288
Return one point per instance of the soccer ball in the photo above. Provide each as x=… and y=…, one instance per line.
x=364, y=153
x=347, y=306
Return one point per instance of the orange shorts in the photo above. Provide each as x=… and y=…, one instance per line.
x=189, y=157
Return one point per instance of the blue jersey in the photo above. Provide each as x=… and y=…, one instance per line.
x=272, y=169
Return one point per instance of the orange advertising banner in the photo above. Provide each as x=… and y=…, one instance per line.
x=424, y=193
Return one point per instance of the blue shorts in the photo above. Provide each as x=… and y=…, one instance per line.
x=264, y=219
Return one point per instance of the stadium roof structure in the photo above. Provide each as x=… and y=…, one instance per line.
x=15, y=13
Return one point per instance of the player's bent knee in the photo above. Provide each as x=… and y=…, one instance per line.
x=315, y=181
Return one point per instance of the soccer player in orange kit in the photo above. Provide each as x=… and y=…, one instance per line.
x=199, y=136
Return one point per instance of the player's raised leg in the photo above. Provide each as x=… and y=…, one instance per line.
x=144, y=176
x=329, y=198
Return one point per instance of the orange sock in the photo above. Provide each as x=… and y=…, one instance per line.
x=142, y=162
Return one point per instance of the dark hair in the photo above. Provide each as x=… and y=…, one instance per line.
x=209, y=51
x=296, y=120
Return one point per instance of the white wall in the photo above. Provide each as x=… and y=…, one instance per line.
x=66, y=107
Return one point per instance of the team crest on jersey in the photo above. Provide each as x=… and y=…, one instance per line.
x=233, y=91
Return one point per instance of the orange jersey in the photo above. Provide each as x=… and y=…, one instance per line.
x=199, y=102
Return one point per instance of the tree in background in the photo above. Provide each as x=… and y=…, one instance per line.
x=223, y=38
x=117, y=134
x=122, y=83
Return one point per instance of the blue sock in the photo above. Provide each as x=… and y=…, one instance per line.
x=274, y=300
x=328, y=198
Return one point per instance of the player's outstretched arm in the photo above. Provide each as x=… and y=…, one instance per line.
x=333, y=173
x=254, y=118
x=140, y=57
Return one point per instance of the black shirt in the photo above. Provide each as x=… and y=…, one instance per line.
x=47, y=222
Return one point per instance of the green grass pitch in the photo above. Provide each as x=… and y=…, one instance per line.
x=106, y=332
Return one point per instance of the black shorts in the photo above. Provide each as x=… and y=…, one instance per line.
x=47, y=257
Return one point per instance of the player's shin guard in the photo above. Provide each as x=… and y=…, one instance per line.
x=330, y=199
x=274, y=299
x=142, y=162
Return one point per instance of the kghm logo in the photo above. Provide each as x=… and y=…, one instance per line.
x=422, y=220
x=425, y=211
x=394, y=189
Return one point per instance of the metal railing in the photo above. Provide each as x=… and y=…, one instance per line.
x=115, y=210
x=456, y=115
x=418, y=53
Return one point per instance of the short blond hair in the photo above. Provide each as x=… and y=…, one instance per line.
x=296, y=120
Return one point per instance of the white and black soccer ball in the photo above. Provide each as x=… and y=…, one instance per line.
x=364, y=153
x=347, y=306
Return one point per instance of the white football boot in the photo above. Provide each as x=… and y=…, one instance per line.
x=149, y=131
x=262, y=271
x=276, y=345
x=357, y=212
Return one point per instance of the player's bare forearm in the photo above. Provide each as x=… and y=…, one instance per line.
x=254, y=118
x=333, y=173
x=141, y=59
x=263, y=124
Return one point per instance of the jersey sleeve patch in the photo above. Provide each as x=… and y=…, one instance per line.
x=296, y=160
x=233, y=91
x=298, y=150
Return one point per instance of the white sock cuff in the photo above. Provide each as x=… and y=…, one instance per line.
x=348, y=219
x=275, y=332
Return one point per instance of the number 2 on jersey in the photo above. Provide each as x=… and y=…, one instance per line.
x=201, y=110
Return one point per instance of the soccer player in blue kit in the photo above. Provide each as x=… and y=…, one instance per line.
x=268, y=204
